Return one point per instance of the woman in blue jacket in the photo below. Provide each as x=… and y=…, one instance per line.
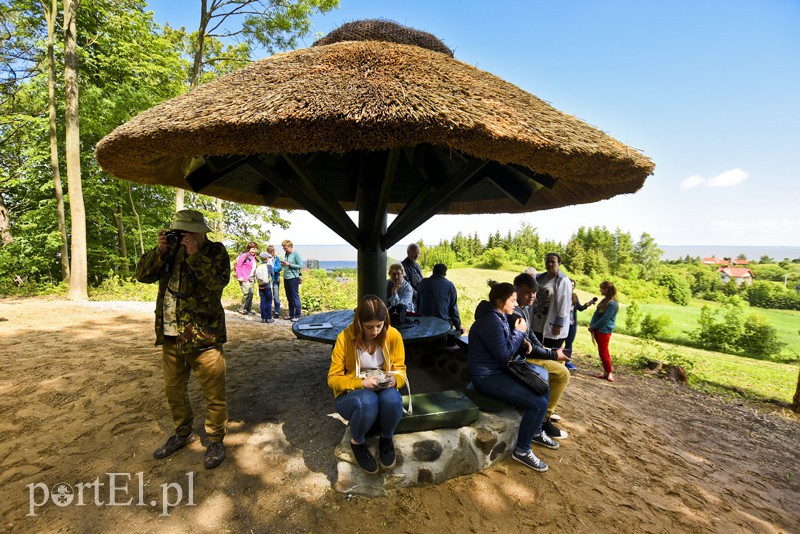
x=602, y=325
x=492, y=342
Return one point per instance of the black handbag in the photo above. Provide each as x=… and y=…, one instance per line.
x=397, y=315
x=534, y=376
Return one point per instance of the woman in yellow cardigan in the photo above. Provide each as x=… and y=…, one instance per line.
x=368, y=368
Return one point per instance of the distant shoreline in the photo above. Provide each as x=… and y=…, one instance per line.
x=347, y=254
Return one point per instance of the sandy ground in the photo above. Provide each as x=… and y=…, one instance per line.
x=81, y=397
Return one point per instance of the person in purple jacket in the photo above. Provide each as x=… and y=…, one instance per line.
x=492, y=342
x=245, y=271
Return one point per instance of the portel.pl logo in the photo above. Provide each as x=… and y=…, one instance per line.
x=116, y=491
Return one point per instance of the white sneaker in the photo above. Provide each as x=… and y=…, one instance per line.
x=555, y=417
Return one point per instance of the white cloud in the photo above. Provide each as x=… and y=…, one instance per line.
x=728, y=178
x=692, y=182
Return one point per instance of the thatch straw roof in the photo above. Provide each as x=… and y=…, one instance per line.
x=363, y=96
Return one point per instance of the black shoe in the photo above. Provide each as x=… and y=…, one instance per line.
x=386, y=453
x=364, y=458
x=215, y=453
x=174, y=443
x=552, y=431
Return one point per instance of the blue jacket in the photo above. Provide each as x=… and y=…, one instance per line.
x=491, y=341
x=606, y=321
x=276, y=269
x=437, y=296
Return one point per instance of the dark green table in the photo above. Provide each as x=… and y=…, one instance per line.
x=423, y=328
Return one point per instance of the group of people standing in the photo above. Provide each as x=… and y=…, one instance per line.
x=264, y=271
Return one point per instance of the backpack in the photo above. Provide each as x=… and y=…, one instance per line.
x=263, y=274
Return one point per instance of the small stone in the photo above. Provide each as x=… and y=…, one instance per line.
x=427, y=450
x=425, y=476
x=500, y=449
x=485, y=440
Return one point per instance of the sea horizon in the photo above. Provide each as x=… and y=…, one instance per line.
x=347, y=255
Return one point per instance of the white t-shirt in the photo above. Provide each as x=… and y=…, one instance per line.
x=370, y=361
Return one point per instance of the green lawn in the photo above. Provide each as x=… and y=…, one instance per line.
x=683, y=319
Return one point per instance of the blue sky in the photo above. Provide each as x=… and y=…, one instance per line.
x=709, y=90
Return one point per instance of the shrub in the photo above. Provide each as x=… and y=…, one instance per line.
x=320, y=292
x=441, y=253
x=633, y=317
x=678, y=289
x=494, y=258
x=653, y=325
x=758, y=337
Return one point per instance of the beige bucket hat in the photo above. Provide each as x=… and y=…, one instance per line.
x=190, y=221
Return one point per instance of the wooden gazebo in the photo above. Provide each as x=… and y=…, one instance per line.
x=376, y=118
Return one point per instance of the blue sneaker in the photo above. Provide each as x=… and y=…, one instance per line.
x=570, y=366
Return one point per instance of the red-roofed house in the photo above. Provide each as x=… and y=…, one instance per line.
x=741, y=262
x=736, y=273
x=715, y=261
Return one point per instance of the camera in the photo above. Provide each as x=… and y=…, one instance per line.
x=174, y=238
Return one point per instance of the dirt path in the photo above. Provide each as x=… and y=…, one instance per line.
x=81, y=397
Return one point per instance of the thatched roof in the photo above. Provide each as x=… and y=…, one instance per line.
x=364, y=96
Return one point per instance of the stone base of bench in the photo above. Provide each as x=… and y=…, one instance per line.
x=433, y=456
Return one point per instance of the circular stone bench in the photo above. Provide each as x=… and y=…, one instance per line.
x=432, y=456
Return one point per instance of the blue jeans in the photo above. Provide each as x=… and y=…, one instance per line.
x=276, y=296
x=363, y=407
x=292, y=288
x=265, y=294
x=507, y=387
x=573, y=332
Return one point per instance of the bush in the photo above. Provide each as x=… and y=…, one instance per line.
x=320, y=292
x=494, y=258
x=633, y=317
x=653, y=326
x=441, y=253
x=759, y=338
x=678, y=289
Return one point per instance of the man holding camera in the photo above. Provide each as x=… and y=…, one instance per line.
x=191, y=272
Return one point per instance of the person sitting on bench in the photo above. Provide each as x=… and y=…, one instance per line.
x=492, y=343
x=367, y=370
x=537, y=354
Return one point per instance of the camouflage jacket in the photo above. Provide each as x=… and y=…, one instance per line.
x=200, y=316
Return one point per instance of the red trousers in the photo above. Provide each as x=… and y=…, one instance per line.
x=602, y=348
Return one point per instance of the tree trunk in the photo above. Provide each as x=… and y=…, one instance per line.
x=123, y=247
x=78, y=280
x=796, y=400
x=220, y=215
x=138, y=221
x=5, y=225
x=50, y=18
x=197, y=66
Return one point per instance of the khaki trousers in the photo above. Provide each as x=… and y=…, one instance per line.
x=209, y=368
x=559, y=378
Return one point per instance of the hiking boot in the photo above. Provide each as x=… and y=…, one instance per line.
x=387, y=454
x=364, y=458
x=215, y=453
x=530, y=460
x=544, y=440
x=174, y=443
x=552, y=431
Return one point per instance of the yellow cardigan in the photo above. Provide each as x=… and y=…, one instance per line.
x=343, y=374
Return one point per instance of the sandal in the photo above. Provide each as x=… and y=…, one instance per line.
x=605, y=377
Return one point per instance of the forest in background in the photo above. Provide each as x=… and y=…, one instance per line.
x=69, y=74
